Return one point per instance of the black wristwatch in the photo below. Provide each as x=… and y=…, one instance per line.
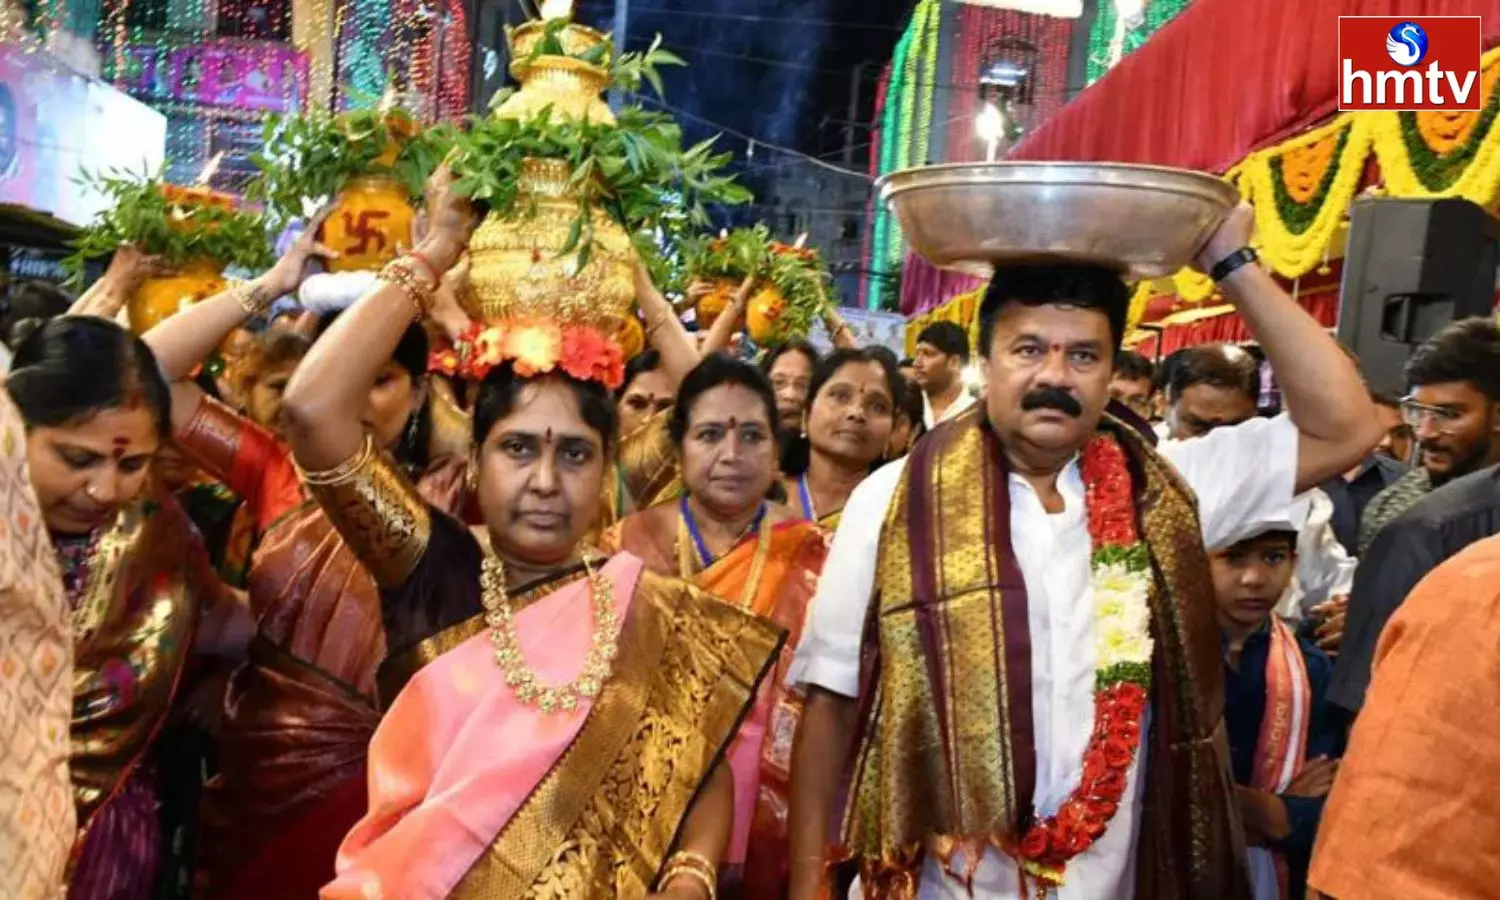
x=1231, y=263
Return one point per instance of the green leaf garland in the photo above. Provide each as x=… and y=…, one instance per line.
x=1298, y=217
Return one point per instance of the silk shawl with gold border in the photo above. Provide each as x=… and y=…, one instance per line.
x=946, y=753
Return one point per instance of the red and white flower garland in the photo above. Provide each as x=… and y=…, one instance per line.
x=1120, y=578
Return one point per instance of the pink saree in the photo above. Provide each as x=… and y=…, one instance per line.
x=446, y=769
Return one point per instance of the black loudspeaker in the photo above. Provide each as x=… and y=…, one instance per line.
x=1411, y=267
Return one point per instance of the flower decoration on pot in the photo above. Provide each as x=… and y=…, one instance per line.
x=574, y=196
x=197, y=231
x=792, y=282
x=373, y=163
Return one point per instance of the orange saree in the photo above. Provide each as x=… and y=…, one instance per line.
x=773, y=574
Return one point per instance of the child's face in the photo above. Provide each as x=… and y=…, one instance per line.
x=1250, y=577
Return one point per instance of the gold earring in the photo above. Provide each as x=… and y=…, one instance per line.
x=471, y=478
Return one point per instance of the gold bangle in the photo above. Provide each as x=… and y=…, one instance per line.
x=398, y=273
x=690, y=872
x=341, y=472
x=689, y=858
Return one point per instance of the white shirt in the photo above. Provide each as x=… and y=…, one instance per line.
x=1324, y=568
x=1242, y=475
x=960, y=403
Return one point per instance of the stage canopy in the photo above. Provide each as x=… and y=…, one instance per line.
x=1224, y=78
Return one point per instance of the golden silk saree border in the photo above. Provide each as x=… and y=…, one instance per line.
x=602, y=821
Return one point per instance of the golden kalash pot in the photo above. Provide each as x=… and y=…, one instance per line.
x=372, y=216
x=195, y=280
x=570, y=86
x=518, y=270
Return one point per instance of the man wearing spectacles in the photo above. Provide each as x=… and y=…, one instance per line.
x=1453, y=410
x=1448, y=502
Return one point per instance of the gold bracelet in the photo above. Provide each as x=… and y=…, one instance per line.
x=690, y=872
x=341, y=472
x=696, y=860
x=244, y=295
x=398, y=272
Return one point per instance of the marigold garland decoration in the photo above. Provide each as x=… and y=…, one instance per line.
x=533, y=348
x=1435, y=154
x=1120, y=578
x=1294, y=236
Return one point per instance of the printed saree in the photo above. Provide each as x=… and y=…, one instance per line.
x=37, y=821
x=138, y=591
x=945, y=758
x=772, y=574
x=299, y=714
x=590, y=802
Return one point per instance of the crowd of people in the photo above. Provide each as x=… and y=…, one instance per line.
x=285, y=614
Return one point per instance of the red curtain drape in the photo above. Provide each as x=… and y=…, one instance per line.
x=1222, y=79
x=924, y=286
x=1230, y=328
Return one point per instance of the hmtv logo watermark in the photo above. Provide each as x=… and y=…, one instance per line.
x=1420, y=62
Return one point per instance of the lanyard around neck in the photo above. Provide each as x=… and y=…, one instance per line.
x=690, y=521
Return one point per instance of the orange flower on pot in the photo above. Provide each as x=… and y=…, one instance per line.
x=762, y=316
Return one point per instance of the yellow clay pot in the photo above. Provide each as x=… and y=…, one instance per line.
x=370, y=223
x=763, y=314
x=158, y=298
x=712, y=305
x=632, y=336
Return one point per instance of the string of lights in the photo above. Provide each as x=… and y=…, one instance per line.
x=1149, y=15
x=791, y=22
x=641, y=39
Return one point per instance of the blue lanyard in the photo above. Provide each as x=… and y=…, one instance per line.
x=806, y=495
x=704, y=557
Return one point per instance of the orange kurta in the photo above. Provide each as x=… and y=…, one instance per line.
x=1412, y=813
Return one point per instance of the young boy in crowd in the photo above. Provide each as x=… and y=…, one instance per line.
x=1280, y=738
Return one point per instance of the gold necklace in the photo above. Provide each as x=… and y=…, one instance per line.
x=500, y=618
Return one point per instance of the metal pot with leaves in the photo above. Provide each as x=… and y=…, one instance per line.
x=576, y=194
